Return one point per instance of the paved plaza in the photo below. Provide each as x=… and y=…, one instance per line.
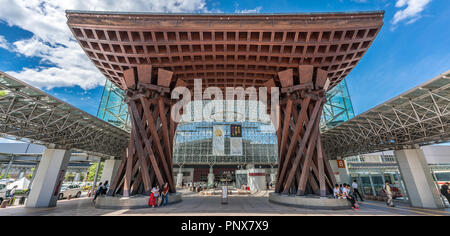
x=195, y=205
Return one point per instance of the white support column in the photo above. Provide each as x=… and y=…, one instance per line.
x=273, y=176
x=180, y=177
x=418, y=180
x=374, y=192
x=109, y=170
x=94, y=184
x=211, y=178
x=49, y=178
x=77, y=177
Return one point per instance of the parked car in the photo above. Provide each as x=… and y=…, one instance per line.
x=72, y=190
x=2, y=192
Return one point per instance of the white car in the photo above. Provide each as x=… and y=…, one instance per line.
x=2, y=192
x=72, y=190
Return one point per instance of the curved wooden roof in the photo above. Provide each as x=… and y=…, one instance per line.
x=225, y=50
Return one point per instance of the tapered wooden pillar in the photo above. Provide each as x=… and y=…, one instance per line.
x=148, y=159
x=302, y=163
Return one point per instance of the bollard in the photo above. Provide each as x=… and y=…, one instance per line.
x=69, y=197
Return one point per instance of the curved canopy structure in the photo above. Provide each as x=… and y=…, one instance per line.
x=420, y=116
x=28, y=112
x=225, y=50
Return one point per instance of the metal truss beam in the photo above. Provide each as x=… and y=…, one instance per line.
x=420, y=116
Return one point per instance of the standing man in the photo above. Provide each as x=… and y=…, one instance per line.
x=445, y=191
x=387, y=190
x=356, y=192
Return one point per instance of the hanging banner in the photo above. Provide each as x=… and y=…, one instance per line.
x=236, y=147
x=236, y=140
x=218, y=141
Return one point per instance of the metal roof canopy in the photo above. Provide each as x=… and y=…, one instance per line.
x=30, y=113
x=420, y=116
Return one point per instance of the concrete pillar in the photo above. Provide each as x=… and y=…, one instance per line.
x=273, y=176
x=340, y=173
x=382, y=176
x=49, y=178
x=416, y=174
x=211, y=178
x=77, y=177
x=374, y=192
x=21, y=173
x=180, y=177
x=94, y=184
x=109, y=170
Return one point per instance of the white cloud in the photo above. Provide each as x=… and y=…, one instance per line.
x=246, y=11
x=64, y=62
x=4, y=44
x=412, y=11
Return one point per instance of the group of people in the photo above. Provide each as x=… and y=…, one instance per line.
x=159, y=196
x=351, y=193
x=101, y=189
x=344, y=191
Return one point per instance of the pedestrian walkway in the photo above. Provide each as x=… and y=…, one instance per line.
x=210, y=206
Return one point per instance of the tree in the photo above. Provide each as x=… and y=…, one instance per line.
x=92, y=169
x=30, y=176
x=69, y=177
x=3, y=176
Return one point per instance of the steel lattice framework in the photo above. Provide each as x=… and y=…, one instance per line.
x=420, y=116
x=30, y=113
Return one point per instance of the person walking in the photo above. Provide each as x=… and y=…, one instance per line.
x=165, y=194
x=388, y=191
x=356, y=192
x=445, y=191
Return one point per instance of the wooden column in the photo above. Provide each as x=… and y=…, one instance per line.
x=148, y=159
x=302, y=165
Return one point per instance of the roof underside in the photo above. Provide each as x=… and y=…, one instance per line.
x=27, y=112
x=420, y=116
x=225, y=50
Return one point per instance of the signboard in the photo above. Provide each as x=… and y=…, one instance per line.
x=218, y=141
x=341, y=163
x=236, y=131
x=224, y=194
x=236, y=140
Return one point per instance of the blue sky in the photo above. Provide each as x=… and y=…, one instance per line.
x=412, y=47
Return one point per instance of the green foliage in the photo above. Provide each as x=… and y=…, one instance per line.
x=82, y=177
x=2, y=93
x=69, y=177
x=92, y=169
x=3, y=176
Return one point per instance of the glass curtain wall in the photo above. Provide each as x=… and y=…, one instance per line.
x=338, y=107
x=113, y=108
